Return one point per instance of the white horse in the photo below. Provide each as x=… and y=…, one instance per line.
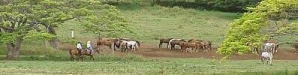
x=132, y=45
x=267, y=53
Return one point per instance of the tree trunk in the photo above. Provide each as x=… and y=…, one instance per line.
x=54, y=41
x=14, y=49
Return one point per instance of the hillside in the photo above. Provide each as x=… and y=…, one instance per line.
x=150, y=24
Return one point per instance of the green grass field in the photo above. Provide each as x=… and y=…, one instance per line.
x=176, y=66
x=150, y=24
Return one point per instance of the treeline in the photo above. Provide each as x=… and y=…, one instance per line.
x=221, y=5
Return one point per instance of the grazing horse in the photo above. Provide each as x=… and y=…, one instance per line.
x=296, y=47
x=207, y=45
x=174, y=42
x=107, y=42
x=123, y=46
x=267, y=53
x=122, y=42
x=164, y=40
x=132, y=45
x=74, y=52
x=192, y=45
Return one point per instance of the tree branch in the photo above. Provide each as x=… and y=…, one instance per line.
x=5, y=28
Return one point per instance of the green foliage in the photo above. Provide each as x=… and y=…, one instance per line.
x=20, y=18
x=247, y=28
x=222, y=5
x=106, y=22
x=39, y=35
x=7, y=37
x=232, y=5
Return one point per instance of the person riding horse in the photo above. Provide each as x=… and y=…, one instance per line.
x=89, y=47
x=79, y=47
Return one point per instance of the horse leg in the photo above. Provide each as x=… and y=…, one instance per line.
x=262, y=59
x=160, y=44
x=71, y=58
x=270, y=59
x=91, y=57
x=172, y=47
x=82, y=57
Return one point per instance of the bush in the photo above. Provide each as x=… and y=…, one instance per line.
x=222, y=5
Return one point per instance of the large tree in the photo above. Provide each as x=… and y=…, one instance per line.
x=19, y=17
x=251, y=27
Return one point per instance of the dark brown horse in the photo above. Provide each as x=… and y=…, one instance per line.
x=164, y=40
x=75, y=52
x=174, y=42
x=107, y=42
x=296, y=47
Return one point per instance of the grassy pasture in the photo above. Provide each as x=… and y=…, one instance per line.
x=150, y=24
x=177, y=66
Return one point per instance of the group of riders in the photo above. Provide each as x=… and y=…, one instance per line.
x=80, y=48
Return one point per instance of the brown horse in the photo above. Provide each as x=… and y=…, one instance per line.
x=75, y=52
x=174, y=42
x=207, y=45
x=107, y=42
x=164, y=40
x=199, y=43
x=192, y=45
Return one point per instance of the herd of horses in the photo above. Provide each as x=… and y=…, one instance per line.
x=192, y=44
x=126, y=44
x=266, y=51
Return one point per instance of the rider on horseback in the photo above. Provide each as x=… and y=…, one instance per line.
x=89, y=47
x=79, y=47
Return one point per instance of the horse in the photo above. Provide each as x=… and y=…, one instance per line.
x=74, y=52
x=174, y=42
x=107, y=42
x=267, y=53
x=123, y=46
x=164, y=40
x=192, y=45
x=132, y=45
x=121, y=42
x=275, y=43
x=207, y=45
x=296, y=47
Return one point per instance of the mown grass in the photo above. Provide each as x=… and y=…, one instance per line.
x=175, y=66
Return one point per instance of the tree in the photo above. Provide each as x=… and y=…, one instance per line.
x=249, y=28
x=18, y=18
